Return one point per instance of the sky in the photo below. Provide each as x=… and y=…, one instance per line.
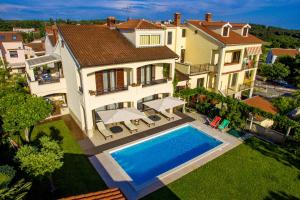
x=282, y=13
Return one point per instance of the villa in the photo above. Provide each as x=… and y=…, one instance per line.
x=220, y=56
x=274, y=53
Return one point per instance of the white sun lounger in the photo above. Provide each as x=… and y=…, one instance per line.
x=167, y=115
x=102, y=129
x=148, y=121
x=130, y=126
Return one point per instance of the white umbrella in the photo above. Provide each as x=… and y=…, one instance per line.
x=164, y=104
x=120, y=115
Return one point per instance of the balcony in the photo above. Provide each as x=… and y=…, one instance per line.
x=196, y=69
x=154, y=82
x=109, y=90
x=250, y=64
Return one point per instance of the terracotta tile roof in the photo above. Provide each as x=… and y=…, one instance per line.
x=181, y=76
x=36, y=46
x=284, y=52
x=109, y=194
x=7, y=36
x=94, y=45
x=138, y=24
x=261, y=103
x=234, y=38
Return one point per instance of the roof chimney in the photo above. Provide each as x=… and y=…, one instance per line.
x=111, y=22
x=208, y=17
x=177, y=19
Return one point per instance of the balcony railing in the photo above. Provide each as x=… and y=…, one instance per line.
x=248, y=65
x=246, y=85
x=154, y=82
x=49, y=80
x=111, y=90
x=200, y=68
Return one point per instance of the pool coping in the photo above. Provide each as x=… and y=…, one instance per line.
x=167, y=173
x=117, y=174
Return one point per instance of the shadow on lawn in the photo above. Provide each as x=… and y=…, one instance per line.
x=54, y=134
x=274, y=151
x=280, y=196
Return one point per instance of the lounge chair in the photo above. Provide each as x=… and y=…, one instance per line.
x=215, y=122
x=130, y=126
x=148, y=121
x=224, y=124
x=102, y=129
x=167, y=115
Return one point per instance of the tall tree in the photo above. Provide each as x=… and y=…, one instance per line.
x=42, y=160
x=275, y=71
x=20, y=111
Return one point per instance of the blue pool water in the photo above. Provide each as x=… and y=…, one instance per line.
x=146, y=160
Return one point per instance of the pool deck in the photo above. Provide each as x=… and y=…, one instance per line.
x=114, y=177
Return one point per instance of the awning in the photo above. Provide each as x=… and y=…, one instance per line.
x=253, y=51
x=164, y=104
x=43, y=60
x=120, y=115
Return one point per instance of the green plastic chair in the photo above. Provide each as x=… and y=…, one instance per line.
x=224, y=124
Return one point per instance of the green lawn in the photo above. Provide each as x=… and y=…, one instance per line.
x=77, y=175
x=255, y=170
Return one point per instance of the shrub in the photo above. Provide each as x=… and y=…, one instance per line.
x=7, y=173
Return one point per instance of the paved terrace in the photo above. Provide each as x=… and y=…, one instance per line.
x=97, y=144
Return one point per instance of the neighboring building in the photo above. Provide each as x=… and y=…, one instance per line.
x=265, y=105
x=220, y=56
x=50, y=38
x=274, y=53
x=102, y=67
x=24, y=30
x=34, y=49
x=12, y=51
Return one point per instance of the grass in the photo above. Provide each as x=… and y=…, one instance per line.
x=254, y=170
x=77, y=175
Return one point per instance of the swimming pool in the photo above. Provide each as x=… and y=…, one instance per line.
x=146, y=160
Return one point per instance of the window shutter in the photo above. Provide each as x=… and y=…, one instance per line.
x=120, y=78
x=99, y=81
x=138, y=75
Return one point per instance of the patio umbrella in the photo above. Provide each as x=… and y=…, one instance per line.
x=164, y=104
x=120, y=115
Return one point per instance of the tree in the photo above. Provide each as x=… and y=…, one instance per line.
x=275, y=71
x=42, y=160
x=20, y=111
x=284, y=104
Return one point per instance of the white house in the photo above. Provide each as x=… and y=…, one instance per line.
x=12, y=51
x=103, y=67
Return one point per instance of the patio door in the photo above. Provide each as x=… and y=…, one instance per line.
x=147, y=74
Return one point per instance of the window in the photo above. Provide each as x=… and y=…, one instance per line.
x=147, y=74
x=200, y=82
x=183, y=33
x=14, y=37
x=226, y=31
x=144, y=39
x=245, y=32
x=170, y=34
x=234, y=80
x=182, y=56
x=13, y=54
x=109, y=80
x=236, y=57
x=149, y=39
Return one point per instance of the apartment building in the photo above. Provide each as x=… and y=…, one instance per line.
x=220, y=56
x=12, y=51
x=103, y=67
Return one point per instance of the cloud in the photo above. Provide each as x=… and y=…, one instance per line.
x=11, y=7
